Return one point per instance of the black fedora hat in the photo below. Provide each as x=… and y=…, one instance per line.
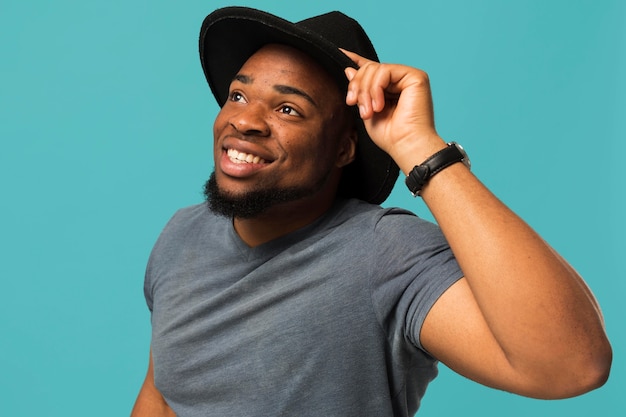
x=229, y=36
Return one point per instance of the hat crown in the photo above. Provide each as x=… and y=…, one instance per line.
x=342, y=31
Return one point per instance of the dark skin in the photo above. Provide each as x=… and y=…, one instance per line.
x=298, y=126
x=299, y=140
x=521, y=320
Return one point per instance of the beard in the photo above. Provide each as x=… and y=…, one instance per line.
x=253, y=203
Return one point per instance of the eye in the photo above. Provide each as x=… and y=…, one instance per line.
x=289, y=110
x=236, y=97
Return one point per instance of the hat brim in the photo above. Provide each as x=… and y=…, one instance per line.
x=229, y=36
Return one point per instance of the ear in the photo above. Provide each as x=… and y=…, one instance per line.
x=347, y=148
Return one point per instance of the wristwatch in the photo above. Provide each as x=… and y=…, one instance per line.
x=421, y=174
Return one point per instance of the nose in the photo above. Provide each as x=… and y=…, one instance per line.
x=251, y=119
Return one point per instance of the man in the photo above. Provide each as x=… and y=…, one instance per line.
x=294, y=293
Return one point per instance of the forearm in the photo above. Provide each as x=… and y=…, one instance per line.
x=538, y=309
x=522, y=319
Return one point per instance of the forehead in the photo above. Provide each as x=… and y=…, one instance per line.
x=285, y=64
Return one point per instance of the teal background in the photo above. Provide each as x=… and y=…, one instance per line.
x=105, y=129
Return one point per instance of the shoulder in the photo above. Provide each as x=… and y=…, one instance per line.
x=192, y=217
x=191, y=213
x=381, y=232
x=190, y=224
x=383, y=220
x=363, y=212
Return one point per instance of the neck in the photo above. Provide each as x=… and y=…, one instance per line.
x=281, y=220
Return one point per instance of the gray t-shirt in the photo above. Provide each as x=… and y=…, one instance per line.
x=324, y=321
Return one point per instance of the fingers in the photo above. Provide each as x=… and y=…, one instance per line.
x=372, y=85
x=363, y=91
x=394, y=100
x=367, y=88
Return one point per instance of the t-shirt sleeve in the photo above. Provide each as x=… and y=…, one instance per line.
x=414, y=267
x=148, y=282
x=147, y=288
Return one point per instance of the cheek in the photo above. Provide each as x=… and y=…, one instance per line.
x=314, y=158
x=305, y=149
x=219, y=124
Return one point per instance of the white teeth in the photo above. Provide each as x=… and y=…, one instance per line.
x=241, y=157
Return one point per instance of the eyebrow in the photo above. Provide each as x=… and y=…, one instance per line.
x=283, y=89
x=286, y=89
x=243, y=79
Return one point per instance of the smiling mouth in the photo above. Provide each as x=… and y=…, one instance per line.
x=244, y=158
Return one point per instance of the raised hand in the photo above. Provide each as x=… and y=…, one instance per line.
x=395, y=103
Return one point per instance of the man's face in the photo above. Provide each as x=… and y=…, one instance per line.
x=283, y=134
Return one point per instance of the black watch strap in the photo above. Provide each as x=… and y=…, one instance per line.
x=421, y=174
